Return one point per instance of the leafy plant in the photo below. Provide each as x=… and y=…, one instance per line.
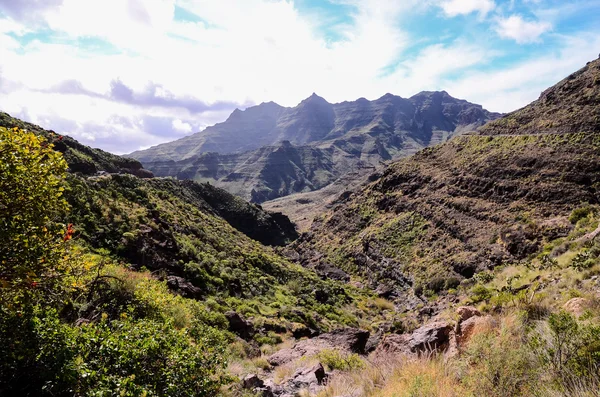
x=335, y=359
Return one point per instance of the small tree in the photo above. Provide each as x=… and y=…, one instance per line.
x=31, y=201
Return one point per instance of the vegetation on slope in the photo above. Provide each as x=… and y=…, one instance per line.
x=468, y=205
x=44, y=282
x=89, y=264
x=541, y=336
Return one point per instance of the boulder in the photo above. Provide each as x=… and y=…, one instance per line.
x=183, y=287
x=302, y=331
x=473, y=326
x=327, y=271
x=347, y=339
x=577, y=306
x=394, y=344
x=351, y=339
x=252, y=381
x=431, y=337
x=308, y=377
x=239, y=325
x=466, y=312
x=373, y=342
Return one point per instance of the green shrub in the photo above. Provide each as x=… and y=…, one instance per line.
x=499, y=363
x=335, y=359
x=570, y=348
x=583, y=260
x=31, y=200
x=480, y=293
x=483, y=277
x=580, y=213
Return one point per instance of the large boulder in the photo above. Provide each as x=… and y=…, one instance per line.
x=431, y=337
x=473, y=326
x=577, y=306
x=466, y=312
x=252, y=381
x=394, y=344
x=346, y=339
x=308, y=377
x=239, y=325
x=183, y=287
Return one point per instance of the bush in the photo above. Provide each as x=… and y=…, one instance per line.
x=147, y=358
x=500, y=364
x=570, y=348
x=335, y=359
x=31, y=199
x=480, y=293
x=580, y=213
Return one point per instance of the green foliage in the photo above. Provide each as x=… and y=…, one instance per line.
x=335, y=359
x=580, y=213
x=147, y=358
x=31, y=201
x=571, y=348
x=583, y=260
x=134, y=337
x=484, y=277
x=500, y=365
x=480, y=293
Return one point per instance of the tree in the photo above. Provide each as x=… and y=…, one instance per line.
x=32, y=179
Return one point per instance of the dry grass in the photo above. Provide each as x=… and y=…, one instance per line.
x=397, y=376
x=284, y=372
x=383, y=304
x=364, y=382
x=424, y=378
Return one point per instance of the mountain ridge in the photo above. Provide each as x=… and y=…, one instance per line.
x=342, y=137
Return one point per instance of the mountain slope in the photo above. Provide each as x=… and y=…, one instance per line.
x=473, y=203
x=307, y=147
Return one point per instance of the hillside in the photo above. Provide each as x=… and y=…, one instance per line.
x=268, y=151
x=471, y=204
x=111, y=245
x=470, y=268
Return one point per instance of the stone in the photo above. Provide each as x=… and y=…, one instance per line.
x=577, y=306
x=351, y=340
x=431, y=337
x=239, y=325
x=183, y=286
x=252, y=381
x=373, y=342
x=466, y=312
x=307, y=377
x=302, y=331
x=473, y=326
x=394, y=344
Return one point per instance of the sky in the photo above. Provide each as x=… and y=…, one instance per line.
x=128, y=74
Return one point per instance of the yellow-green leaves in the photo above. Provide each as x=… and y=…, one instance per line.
x=31, y=203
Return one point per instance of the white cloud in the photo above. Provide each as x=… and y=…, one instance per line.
x=517, y=85
x=181, y=126
x=520, y=30
x=453, y=8
x=243, y=51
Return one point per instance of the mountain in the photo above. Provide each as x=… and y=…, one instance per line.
x=470, y=268
x=268, y=151
x=479, y=201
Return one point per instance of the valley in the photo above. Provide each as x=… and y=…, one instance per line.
x=434, y=249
